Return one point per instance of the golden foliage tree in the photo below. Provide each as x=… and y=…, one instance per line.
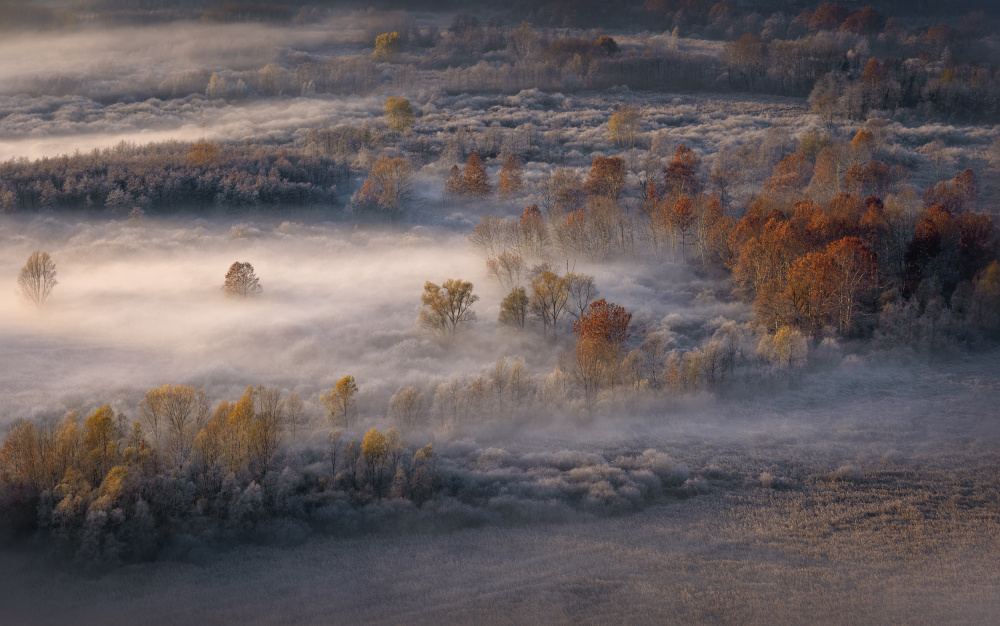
x=399, y=113
x=787, y=347
x=340, y=401
x=447, y=306
x=100, y=444
x=244, y=435
x=387, y=45
x=514, y=308
x=37, y=278
x=623, y=127
x=173, y=415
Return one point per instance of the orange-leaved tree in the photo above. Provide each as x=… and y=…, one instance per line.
x=475, y=180
x=681, y=175
x=602, y=333
x=510, y=176
x=606, y=178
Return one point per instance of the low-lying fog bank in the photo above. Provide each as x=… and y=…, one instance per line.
x=869, y=496
x=139, y=304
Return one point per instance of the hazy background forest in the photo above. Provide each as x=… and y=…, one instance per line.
x=673, y=310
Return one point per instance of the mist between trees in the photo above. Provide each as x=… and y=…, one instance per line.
x=808, y=236
x=183, y=479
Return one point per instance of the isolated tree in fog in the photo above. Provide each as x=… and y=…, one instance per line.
x=37, y=278
x=340, y=401
x=399, y=113
x=241, y=281
x=447, y=305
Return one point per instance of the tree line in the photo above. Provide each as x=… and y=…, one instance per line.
x=165, y=177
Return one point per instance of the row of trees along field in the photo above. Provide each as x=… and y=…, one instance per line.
x=104, y=489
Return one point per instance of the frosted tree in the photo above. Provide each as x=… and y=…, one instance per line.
x=241, y=281
x=37, y=278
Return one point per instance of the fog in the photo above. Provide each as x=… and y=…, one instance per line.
x=140, y=304
x=856, y=486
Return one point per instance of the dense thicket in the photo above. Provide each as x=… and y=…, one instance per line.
x=181, y=480
x=170, y=176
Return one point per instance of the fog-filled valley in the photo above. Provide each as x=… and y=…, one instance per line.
x=525, y=313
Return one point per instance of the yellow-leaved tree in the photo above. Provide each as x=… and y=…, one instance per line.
x=340, y=401
x=447, y=305
x=388, y=45
x=399, y=113
x=623, y=127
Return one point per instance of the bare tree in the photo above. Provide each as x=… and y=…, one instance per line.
x=294, y=413
x=241, y=281
x=407, y=405
x=37, y=278
x=582, y=291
